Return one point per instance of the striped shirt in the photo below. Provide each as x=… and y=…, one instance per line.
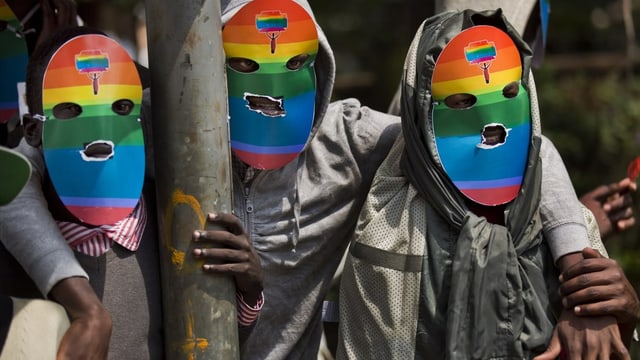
x=96, y=241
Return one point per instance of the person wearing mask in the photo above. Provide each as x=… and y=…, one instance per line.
x=450, y=255
x=302, y=166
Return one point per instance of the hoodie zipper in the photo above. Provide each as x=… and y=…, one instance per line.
x=248, y=204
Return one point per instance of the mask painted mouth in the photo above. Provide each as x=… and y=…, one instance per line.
x=493, y=135
x=99, y=150
x=266, y=105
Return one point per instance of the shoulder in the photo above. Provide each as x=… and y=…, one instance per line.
x=34, y=155
x=361, y=125
x=352, y=110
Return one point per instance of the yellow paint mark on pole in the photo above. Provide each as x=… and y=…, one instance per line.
x=192, y=342
x=180, y=198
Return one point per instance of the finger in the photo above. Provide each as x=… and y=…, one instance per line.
x=227, y=269
x=619, y=350
x=221, y=255
x=617, y=203
x=583, y=267
x=573, y=351
x=228, y=221
x=620, y=215
x=603, y=191
x=592, y=294
x=627, y=184
x=221, y=238
x=610, y=307
x=608, y=277
x=553, y=350
x=626, y=223
x=591, y=253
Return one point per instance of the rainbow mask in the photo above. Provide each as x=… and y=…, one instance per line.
x=270, y=46
x=481, y=117
x=92, y=138
x=13, y=62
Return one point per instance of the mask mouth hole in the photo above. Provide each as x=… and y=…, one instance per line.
x=493, y=135
x=99, y=150
x=266, y=105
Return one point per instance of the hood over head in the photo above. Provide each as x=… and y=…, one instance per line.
x=481, y=249
x=518, y=12
x=423, y=152
x=324, y=67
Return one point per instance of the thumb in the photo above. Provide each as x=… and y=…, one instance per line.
x=590, y=253
x=553, y=350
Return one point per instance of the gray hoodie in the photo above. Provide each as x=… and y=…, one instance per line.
x=300, y=217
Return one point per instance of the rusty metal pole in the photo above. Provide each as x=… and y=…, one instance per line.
x=193, y=172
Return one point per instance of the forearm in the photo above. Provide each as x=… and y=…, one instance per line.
x=77, y=296
x=89, y=334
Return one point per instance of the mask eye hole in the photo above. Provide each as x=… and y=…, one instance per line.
x=67, y=110
x=122, y=106
x=297, y=61
x=243, y=65
x=460, y=101
x=511, y=90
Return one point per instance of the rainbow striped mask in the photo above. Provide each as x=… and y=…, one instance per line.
x=13, y=62
x=92, y=138
x=481, y=116
x=270, y=47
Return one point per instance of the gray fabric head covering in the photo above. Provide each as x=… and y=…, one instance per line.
x=325, y=68
x=497, y=299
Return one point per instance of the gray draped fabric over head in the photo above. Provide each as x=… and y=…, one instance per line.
x=497, y=303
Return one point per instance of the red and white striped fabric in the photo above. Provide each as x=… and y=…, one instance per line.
x=247, y=314
x=98, y=240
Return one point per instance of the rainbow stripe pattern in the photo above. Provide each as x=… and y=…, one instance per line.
x=13, y=64
x=96, y=192
x=479, y=52
x=262, y=141
x=92, y=63
x=270, y=21
x=486, y=175
x=88, y=61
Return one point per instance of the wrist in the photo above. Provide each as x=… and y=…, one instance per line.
x=78, y=298
x=567, y=260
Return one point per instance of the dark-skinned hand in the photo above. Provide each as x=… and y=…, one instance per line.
x=228, y=251
x=612, y=206
x=598, y=286
x=585, y=338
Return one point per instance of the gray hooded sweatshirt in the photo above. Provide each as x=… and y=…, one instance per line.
x=300, y=217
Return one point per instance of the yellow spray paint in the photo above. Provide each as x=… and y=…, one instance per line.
x=180, y=198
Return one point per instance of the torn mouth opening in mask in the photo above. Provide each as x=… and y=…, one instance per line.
x=266, y=105
x=493, y=135
x=99, y=150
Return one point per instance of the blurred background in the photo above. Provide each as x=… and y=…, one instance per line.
x=589, y=83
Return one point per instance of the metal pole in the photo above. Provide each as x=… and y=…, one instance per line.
x=193, y=172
